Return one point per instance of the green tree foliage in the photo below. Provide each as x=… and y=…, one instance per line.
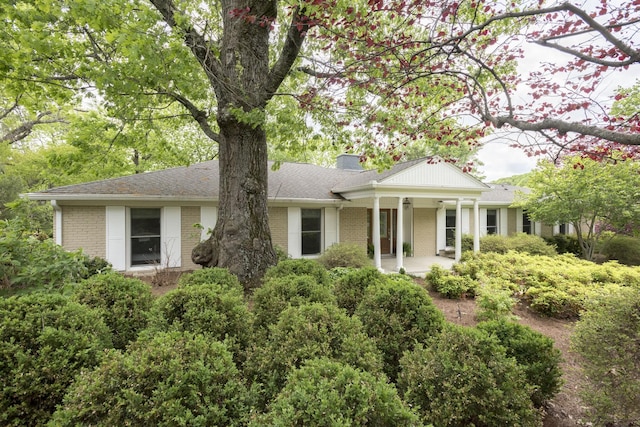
x=45, y=341
x=584, y=192
x=174, y=378
x=397, y=315
x=534, y=352
x=328, y=393
x=607, y=338
x=463, y=377
x=124, y=304
x=304, y=333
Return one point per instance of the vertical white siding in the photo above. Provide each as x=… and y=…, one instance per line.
x=330, y=226
x=116, y=237
x=208, y=219
x=171, y=236
x=503, y=219
x=294, y=227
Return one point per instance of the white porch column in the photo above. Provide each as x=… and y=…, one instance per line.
x=399, y=236
x=376, y=233
x=476, y=229
x=458, y=253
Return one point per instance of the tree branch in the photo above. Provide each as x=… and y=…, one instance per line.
x=193, y=40
x=566, y=127
x=25, y=129
x=198, y=115
x=295, y=37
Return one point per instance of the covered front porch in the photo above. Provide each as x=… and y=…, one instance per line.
x=416, y=266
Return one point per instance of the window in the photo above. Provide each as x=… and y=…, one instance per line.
x=492, y=221
x=145, y=236
x=563, y=229
x=450, y=228
x=527, y=225
x=311, y=231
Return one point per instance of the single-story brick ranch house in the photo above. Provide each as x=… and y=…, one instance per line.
x=147, y=220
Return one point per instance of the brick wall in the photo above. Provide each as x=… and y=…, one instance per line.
x=424, y=232
x=353, y=226
x=190, y=236
x=279, y=227
x=84, y=227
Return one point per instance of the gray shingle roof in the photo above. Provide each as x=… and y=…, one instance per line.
x=501, y=193
x=201, y=181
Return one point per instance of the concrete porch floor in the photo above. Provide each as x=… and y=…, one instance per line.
x=415, y=266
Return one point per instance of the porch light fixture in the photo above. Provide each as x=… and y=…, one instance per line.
x=406, y=202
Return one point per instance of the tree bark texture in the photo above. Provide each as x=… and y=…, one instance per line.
x=241, y=239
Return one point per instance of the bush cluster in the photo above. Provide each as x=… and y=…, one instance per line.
x=559, y=286
x=279, y=293
x=450, y=285
x=397, y=315
x=607, y=337
x=123, y=302
x=534, y=352
x=345, y=255
x=624, y=249
x=211, y=276
x=329, y=393
x=300, y=350
x=520, y=242
x=173, y=378
x=45, y=340
x=463, y=377
x=209, y=309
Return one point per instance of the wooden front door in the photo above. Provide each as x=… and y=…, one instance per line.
x=386, y=232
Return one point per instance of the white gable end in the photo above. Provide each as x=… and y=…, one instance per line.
x=439, y=175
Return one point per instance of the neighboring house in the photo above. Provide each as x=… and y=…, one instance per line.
x=147, y=220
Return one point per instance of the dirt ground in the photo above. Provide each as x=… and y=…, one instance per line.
x=565, y=410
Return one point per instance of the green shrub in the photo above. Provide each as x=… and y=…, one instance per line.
x=534, y=352
x=467, y=243
x=208, y=276
x=328, y=393
x=494, y=243
x=339, y=272
x=124, y=304
x=530, y=244
x=45, y=340
x=28, y=262
x=96, y=265
x=220, y=314
x=607, y=337
x=300, y=267
x=451, y=286
x=565, y=244
x=308, y=332
x=279, y=293
x=344, y=255
x=169, y=379
x=494, y=299
x=553, y=302
x=397, y=315
x=463, y=377
x=624, y=249
x=281, y=254
x=350, y=288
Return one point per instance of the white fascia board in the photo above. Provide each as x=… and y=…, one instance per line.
x=114, y=197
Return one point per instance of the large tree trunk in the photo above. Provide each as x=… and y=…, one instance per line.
x=241, y=239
